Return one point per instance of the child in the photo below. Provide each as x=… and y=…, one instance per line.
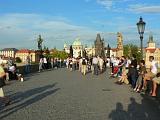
x=142, y=71
x=123, y=78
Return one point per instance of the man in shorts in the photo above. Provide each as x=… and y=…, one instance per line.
x=151, y=74
x=156, y=81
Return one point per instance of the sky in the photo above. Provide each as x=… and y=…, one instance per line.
x=62, y=21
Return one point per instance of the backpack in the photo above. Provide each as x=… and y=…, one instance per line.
x=83, y=62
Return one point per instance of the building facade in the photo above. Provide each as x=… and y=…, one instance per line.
x=8, y=52
x=77, y=48
x=99, y=46
x=119, y=45
x=33, y=55
x=118, y=51
x=152, y=50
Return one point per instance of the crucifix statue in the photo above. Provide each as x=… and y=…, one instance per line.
x=39, y=40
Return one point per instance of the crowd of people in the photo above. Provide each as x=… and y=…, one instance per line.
x=130, y=71
x=127, y=70
x=51, y=63
x=96, y=65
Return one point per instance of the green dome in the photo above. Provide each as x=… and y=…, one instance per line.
x=77, y=42
x=65, y=45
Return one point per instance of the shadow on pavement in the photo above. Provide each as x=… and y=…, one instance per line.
x=24, y=99
x=149, y=109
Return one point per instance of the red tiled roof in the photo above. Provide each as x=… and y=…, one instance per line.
x=25, y=51
x=114, y=49
x=151, y=50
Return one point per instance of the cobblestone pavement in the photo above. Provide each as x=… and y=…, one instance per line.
x=65, y=95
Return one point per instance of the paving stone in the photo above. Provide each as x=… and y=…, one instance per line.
x=65, y=95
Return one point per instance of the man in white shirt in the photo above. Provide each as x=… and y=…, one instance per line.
x=45, y=62
x=95, y=65
x=101, y=62
x=80, y=64
x=84, y=66
x=152, y=73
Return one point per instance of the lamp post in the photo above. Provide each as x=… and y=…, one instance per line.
x=141, y=27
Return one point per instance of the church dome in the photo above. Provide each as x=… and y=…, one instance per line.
x=65, y=45
x=77, y=42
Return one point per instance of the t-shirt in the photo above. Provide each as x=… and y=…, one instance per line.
x=95, y=60
x=84, y=62
x=1, y=69
x=134, y=63
x=142, y=70
x=128, y=63
x=12, y=68
x=153, y=67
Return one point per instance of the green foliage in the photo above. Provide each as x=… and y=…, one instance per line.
x=18, y=60
x=131, y=49
x=58, y=54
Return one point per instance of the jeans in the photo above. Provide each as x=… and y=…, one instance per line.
x=95, y=69
x=27, y=69
x=134, y=77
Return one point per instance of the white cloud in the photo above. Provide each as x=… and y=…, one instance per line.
x=21, y=30
x=108, y=4
x=142, y=8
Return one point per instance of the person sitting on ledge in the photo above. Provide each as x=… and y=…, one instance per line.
x=151, y=74
x=156, y=81
x=12, y=72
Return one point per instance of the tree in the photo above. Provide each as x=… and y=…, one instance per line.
x=131, y=49
x=18, y=60
x=58, y=54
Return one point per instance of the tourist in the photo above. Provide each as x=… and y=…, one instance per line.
x=80, y=64
x=74, y=64
x=123, y=78
x=142, y=71
x=95, y=65
x=60, y=62
x=67, y=62
x=108, y=62
x=70, y=64
x=56, y=63
x=27, y=65
x=90, y=64
x=112, y=63
x=9, y=62
x=121, y=64
x=84, y=66
x=45, y=63
x=133, y=73
x=128, y=63
x=40, y=64
x=150, y=74
x=52, y=63
x=115, y=67
x=101, y=63
x=5, y=99
x=12, y=72
x=156, y=81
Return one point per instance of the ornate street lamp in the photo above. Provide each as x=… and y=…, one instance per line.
x=141, y=27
